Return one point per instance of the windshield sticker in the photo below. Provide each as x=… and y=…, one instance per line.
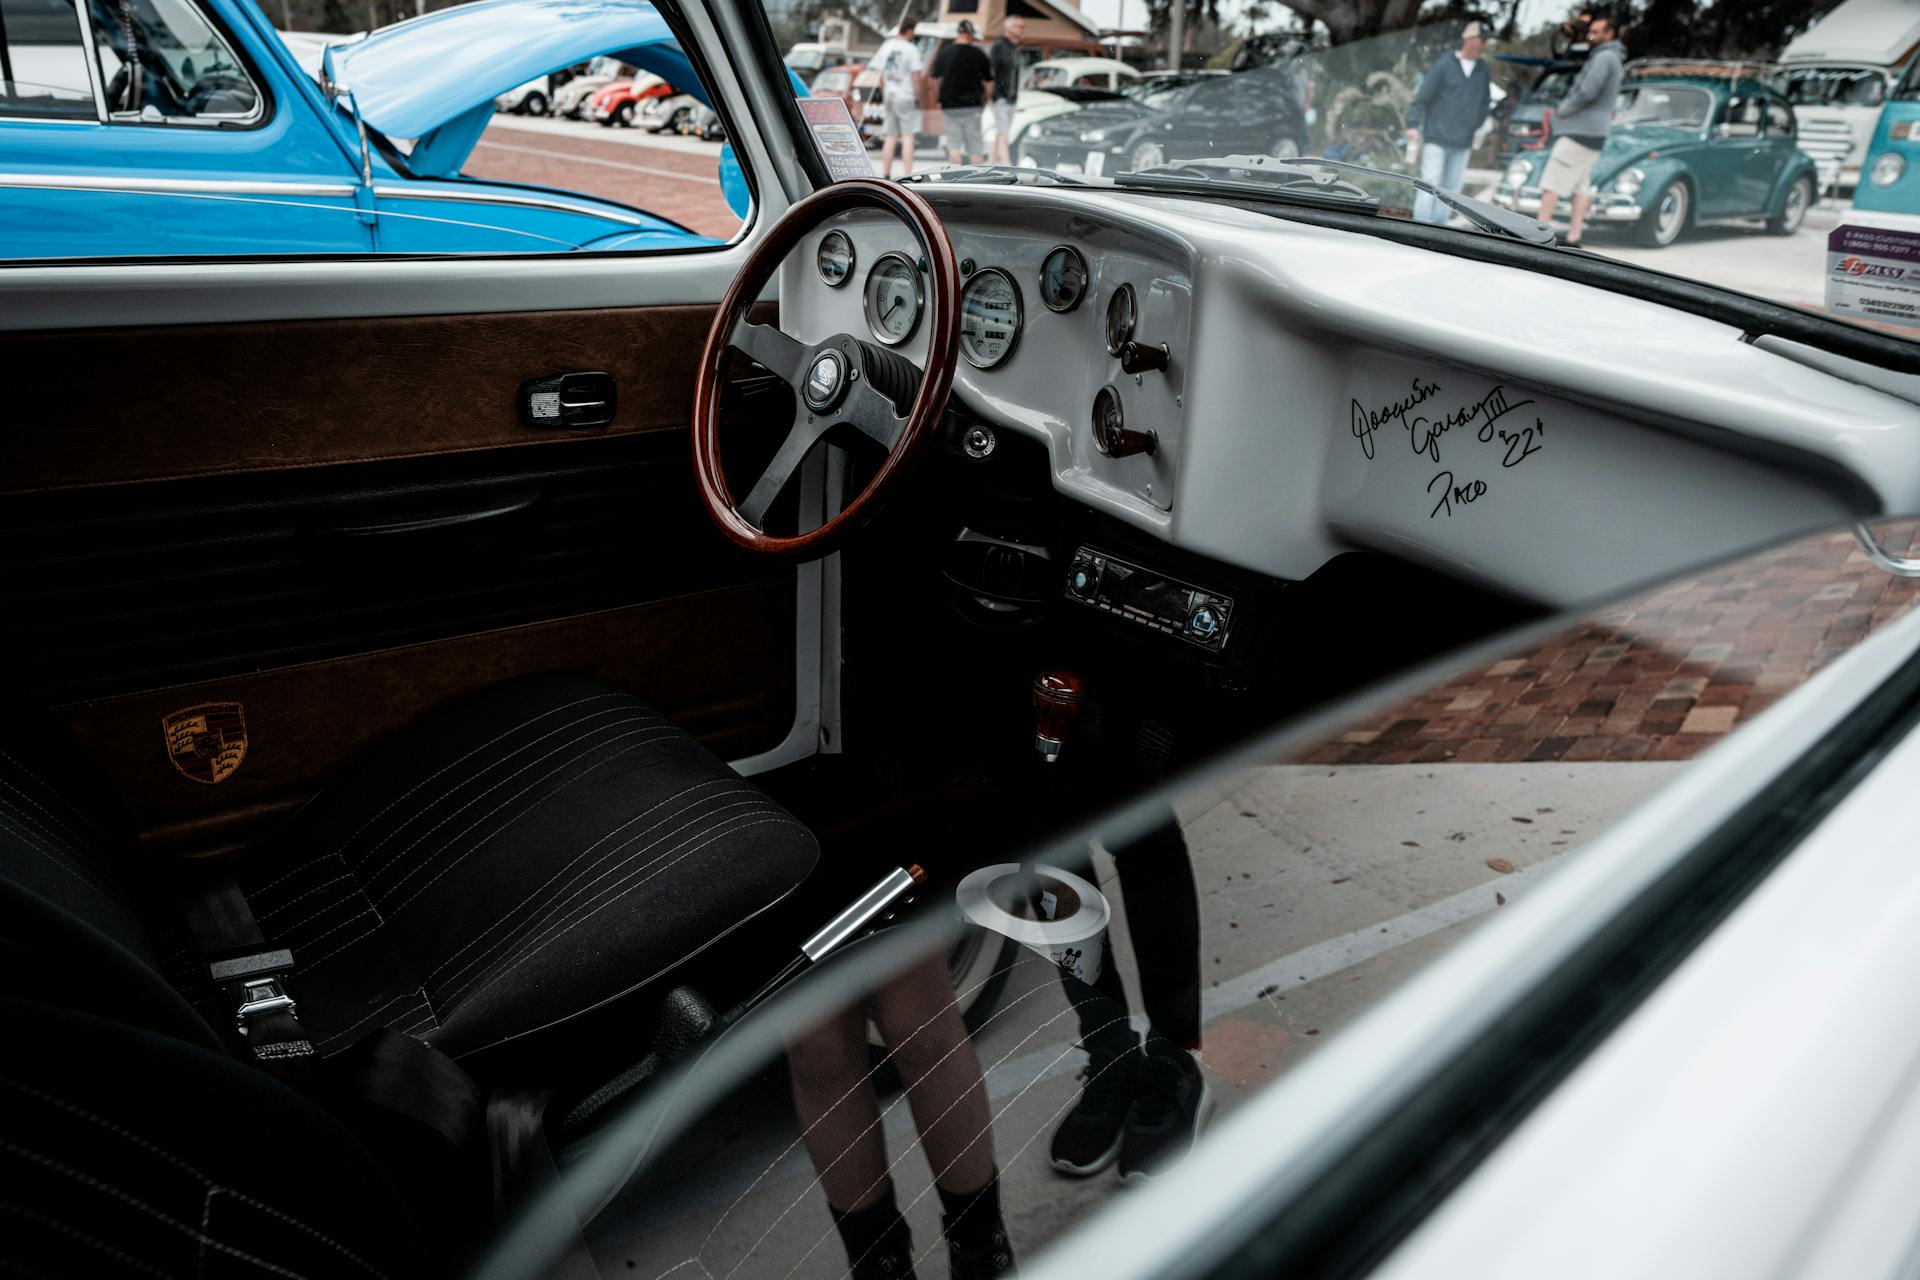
x=836, y=138
x=1873, y=273
x=1429, y=418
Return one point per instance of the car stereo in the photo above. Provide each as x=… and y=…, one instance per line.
x=1149, y=598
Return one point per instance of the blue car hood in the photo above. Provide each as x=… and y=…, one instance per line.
x=434, y=78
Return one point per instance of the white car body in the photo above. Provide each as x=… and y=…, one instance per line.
x=1858, y=40
x=515, y=99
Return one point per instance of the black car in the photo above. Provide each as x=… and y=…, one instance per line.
x=1258, y=112
x=1529, y=121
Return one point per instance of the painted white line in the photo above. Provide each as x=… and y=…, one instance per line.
x=609, y=164
x=1324, y=959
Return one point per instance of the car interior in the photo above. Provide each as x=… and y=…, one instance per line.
x=434, y=702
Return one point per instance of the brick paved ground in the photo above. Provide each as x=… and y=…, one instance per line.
x=675, y=184
x=1660, y=677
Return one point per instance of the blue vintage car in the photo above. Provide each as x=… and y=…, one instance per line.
x=193, y=129
x=1691, y=143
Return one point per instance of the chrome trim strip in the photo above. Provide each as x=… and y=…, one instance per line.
x=93, y=65
x=172, y=186
x=387, y=192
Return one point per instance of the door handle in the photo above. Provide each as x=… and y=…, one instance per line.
x=567, y=400
x=500, y=508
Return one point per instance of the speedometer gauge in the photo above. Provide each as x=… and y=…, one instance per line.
x=1063, y=279
x=893, y=299
x=989, y=318
x=1121, y=316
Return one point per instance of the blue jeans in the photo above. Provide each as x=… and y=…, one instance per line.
x=1444, y=167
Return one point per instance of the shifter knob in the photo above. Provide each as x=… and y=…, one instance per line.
x=1057, y=696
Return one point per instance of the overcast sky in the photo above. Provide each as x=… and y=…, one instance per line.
x=1121, y=13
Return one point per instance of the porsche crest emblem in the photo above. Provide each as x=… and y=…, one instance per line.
x=207, y=743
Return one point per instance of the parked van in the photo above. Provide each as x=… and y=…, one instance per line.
x=1838, y=76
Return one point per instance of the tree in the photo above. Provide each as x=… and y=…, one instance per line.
x=1749, y=29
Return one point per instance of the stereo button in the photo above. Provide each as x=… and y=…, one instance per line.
x=1203, y=623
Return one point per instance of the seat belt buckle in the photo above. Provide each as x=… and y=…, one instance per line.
x=260, y=997
x=257, y=985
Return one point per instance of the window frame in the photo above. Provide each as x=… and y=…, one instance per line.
x=264, y=108
x=91, y=59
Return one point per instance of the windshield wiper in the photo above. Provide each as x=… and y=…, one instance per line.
x=1284, y=176
x=1273, y=181
x=1004, y=174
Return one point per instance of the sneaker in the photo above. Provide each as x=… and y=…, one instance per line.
x=1089, y=1138
x=980, y=1259
x=1172, y=1106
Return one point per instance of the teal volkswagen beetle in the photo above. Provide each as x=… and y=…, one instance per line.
x=1692, y=142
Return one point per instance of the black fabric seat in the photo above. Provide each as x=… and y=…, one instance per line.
x=511, y=861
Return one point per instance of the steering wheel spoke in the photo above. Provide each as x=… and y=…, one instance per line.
x=787, y=461
x=869, y=409
x=779, y=353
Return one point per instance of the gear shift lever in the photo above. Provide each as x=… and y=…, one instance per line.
x=1057, y=696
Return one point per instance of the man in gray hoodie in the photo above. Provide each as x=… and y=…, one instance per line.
x=1580, y=125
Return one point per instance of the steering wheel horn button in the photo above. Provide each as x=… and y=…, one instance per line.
x=827, y=379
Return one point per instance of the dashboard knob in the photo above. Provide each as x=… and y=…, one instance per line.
x=1204, y=622
x=1111, y=435
x=979, y=442
x=1082, y=580
x=1139, y=357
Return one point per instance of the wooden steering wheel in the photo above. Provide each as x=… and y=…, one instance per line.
x=841, y=380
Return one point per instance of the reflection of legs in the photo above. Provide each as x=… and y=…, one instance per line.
x=840, y=1118
x=919, y=1021
x=1549, y=201
x=1163, y=923
x=840, y=1115
x=838, y=1110
x=886, y=156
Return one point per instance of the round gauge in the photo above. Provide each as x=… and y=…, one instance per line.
x=1063, y=279
x=1121, y=314
x=893, y=299
x=1108, y=421
x=835, y=258
x=989, y=318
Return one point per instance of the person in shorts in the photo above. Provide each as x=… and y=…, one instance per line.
x=901, y=68
x=1580, y=124
x=1004, y=57
x=963, y=79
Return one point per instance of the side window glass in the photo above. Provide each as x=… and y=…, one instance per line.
x=1779, y=119
x=43, y=65
x=162, y=60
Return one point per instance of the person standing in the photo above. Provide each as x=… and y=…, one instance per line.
x=1580, y=125
x=901, y=70
x=962, y=79
x=1004, y=58
x=1452, y=103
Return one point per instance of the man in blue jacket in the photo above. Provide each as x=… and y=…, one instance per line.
x=1450, y=106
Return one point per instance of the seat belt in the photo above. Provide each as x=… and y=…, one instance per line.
x=252, y=973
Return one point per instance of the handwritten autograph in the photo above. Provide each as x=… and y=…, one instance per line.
x=1424, y=433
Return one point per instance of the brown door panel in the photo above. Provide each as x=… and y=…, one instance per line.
x=718, y=663
x=102, y=406
x=336, y=525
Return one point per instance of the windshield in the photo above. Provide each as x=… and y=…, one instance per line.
x=1533, y=113
x=1655, y=104
x=1836, y=87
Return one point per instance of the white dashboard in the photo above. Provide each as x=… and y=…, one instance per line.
x=1325, y=390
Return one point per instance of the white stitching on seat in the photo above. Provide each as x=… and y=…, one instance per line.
x=27, y=826
x=71, y=836
x=509, y=820
x=506, y=733
x=366, y=859
x=68, y=1229
x=324, y=884
x=369, y=1017
x=556, y=906
x=126, y=1197
x=684, y=791
x=106, y=895
x=155, y=1148
x=302, y=869
x=55, y=793
x=633, y=727
x=615, y=897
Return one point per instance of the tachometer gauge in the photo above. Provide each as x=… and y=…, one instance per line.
x=835, y=258
x=1063, y=279
x=1121, y=315
x=893, y=298
x=989, y=318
